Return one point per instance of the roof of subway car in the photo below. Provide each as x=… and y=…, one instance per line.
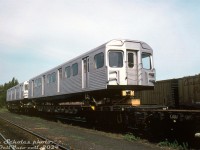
x=120, y=42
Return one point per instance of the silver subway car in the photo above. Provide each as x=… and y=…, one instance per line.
x=114, y=66
x=18, y=92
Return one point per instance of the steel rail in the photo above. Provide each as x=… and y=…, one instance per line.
x=71, y=119
x=10, y=145
x=37, y=135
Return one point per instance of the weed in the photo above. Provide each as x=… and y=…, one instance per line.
x=174, y=145
x=130, y=137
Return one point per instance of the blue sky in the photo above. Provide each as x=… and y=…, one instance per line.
x=37, y=35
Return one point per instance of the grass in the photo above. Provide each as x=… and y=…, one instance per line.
x=166, y=143
x=130, y=137
x=174, y=145
x=76, y=137
x=17, y=117
x=3, y=109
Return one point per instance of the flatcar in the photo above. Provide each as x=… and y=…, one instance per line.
x=98, y=75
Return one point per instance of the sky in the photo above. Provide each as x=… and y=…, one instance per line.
x=37, y=35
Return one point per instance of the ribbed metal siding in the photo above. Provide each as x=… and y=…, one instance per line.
x=189, y=90
x=72, y=84
x=51, y=89
x=98, y=79
x=164, y=93
x=37, y=91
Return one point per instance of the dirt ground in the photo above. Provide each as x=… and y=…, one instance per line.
x=78, y=138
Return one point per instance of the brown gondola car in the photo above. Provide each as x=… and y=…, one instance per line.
x=181, y=93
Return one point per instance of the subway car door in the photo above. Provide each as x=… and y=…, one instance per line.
x=85, y=72
x=59, y=75
x=43, y=85
x=32, y=88
x=132, y=67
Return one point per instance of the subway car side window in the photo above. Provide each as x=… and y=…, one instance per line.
x=48, y=78
x=53, y=77
x=68, y=72
x=75, y=69
x=99, y=60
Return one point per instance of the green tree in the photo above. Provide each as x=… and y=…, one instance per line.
x=4, y=88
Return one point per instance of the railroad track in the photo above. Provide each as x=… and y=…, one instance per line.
x=5, y=143
x=49, y=143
